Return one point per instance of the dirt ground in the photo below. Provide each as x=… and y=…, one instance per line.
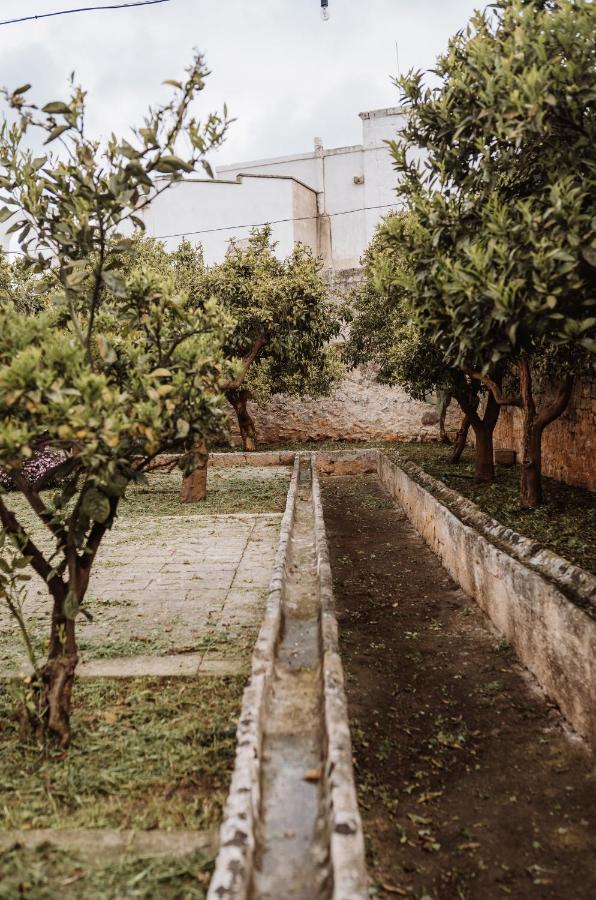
x=470, y=785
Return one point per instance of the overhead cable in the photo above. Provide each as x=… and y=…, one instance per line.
x=182, y=234
x=67, y=12
x=345, y=212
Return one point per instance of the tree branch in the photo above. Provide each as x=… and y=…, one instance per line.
x=39, y=507
x=246, y=364
x=559, y=404
x=494, y=388
x=25, y=544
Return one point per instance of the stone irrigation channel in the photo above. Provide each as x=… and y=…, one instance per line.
x=292, y=829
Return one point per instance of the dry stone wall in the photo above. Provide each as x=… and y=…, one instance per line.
x=360, y=408
x=569, y=444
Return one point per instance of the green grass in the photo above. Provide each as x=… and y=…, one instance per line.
x=565, y=524
x=227, y=492
x=146, y=753
x=306, y=446
x=46, y=873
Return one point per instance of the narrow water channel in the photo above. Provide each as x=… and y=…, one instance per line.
x=470, y=784
x=291, y=860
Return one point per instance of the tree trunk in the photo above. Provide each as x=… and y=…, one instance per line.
x=531, y=469
x=483, y=428
x=444, y=402
x=239, y=400
x=484, y=465
x=194, y=486
x=461, y=439
x=53, y=690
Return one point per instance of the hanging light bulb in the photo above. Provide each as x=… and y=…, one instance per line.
x=325, y=10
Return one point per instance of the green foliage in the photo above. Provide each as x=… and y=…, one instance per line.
x=504, y=252
x=382, y=331
x=283, y=317
x=120, y=365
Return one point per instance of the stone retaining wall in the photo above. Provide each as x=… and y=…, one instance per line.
x=346, y=839
x=569, y=444
x=359, y=409
x=233, y=871
x=523, y=589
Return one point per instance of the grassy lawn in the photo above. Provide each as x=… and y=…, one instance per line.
x=236, y=490
x=228, y=491
x=146, y=753
x=46, y=873
x=565, y=524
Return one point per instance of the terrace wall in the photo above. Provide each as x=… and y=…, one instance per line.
x=569, y=444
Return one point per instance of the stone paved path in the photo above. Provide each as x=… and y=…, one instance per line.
x=166, y=586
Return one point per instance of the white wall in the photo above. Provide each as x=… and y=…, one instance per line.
x=337, y=216
x=343, y=205
x=205, y=206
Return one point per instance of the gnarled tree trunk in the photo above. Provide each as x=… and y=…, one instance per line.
x=461, y=439
x=194, y=486
x=53, y=688
x=534, y=423
x=443, y=401
x=239, y=400
x=483, y=428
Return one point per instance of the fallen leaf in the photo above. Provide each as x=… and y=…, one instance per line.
x=393, y=889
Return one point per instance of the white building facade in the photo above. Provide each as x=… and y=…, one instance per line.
x=330, y=200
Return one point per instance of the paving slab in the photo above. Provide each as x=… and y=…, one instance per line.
x=104, y=844
x=163, y=589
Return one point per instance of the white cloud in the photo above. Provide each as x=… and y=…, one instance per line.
x=284, y=73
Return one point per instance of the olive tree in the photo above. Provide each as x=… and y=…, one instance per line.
x=119, y=367
x=505, y=255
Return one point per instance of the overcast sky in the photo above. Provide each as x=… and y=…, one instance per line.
x=285, y=74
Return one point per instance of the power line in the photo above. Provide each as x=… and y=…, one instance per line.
x=345, y=212
x=67, y=12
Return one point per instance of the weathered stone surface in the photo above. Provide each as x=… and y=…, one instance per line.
x=522, y=588
x=244, y=822
x=174, y=584
x=346, y=462
x=344, y=825
x=105, y=844
x=360, y=409
x=231, y=878
x=568, y=444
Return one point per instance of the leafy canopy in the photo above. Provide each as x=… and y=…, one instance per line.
x=120, y=365
x=504, y=252
x=282, y=313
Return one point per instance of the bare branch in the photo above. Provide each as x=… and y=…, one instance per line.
x=495, y=389
x=25, y=544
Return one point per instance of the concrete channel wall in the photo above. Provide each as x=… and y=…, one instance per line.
x=344, y=858
x=233, y=871
x=346, y=839
x=530, y=594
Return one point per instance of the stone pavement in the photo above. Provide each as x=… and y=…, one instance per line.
x=181, y=590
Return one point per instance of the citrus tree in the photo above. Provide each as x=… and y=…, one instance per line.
x=505, y=254
x=284, y=323
x=384, y=331
x=117, y=369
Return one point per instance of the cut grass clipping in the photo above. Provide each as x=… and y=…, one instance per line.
x=47, y=872
x=565, y=524
x=233, y=490
x=146, y=753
